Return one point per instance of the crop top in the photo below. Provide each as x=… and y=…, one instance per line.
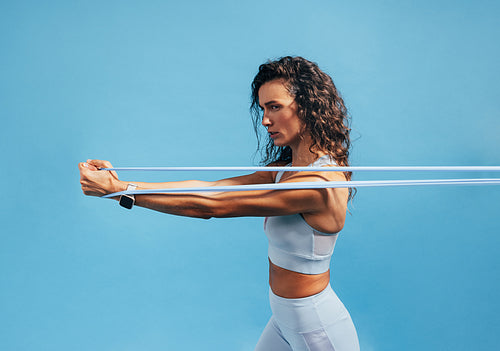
x=294, y=244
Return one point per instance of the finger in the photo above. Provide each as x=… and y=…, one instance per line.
x=100, y=163
x=83, y=166
x=92, y=167
x=104, y=164
x=86, y=166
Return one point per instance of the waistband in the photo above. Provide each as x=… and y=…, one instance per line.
x=302, y=301
x=308, y=313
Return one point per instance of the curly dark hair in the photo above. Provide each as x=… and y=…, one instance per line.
x=320, y=107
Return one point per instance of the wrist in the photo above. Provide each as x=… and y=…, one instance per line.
x=118, y=186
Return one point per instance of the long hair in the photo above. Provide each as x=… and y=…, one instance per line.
x=320, y=108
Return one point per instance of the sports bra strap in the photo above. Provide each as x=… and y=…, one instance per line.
x=322, y=161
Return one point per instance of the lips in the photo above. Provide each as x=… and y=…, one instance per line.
x=273, y=134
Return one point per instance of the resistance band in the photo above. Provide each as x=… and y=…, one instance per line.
x=327, y=169
x=314, y=185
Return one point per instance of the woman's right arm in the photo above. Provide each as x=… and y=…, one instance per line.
x=104, y=182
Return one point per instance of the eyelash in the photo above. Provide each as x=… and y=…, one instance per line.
x=272, y=107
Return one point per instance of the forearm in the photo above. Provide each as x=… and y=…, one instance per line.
x=166, y=185
x=202, y=205
x=259, y=203
x=188, y=205
x=182, y=205
x=181, y=184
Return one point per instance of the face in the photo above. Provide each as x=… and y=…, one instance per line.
x=280, y=114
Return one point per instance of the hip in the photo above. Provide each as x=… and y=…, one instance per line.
x=308, y=313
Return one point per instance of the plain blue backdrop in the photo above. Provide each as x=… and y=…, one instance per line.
x=167, y=83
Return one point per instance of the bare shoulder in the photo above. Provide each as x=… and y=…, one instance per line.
x=272, y=175
x=335, y=197
x=332, y=175
x=312, y=176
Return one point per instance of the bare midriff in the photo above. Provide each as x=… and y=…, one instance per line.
x=294, y=285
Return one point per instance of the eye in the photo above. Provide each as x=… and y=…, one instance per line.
x=275, y=107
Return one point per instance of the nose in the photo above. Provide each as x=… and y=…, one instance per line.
x=266, y=122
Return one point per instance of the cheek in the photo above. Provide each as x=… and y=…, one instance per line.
x=294, y=122
x=290, y=116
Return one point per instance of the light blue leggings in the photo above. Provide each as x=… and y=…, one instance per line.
x=315, y=323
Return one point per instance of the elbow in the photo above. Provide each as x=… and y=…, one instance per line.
x=208, y=210
x=212, y=208
x=216, y=210
x=214, y=213
x=201, y=213
x=197, y=214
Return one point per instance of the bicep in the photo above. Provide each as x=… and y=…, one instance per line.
x=278, y=202
x=261, y=177
x=254, y=178
x=268, y=203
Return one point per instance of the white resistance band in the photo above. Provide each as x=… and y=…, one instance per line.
x=315, y=185
x=327, y=169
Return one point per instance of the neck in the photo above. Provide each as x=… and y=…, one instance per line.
x=302, y=156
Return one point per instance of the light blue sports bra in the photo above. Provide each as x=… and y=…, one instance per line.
x=294, y=244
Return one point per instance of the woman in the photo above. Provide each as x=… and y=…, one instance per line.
x=307, y=124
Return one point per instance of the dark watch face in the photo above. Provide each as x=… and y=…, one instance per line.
x=127, y=201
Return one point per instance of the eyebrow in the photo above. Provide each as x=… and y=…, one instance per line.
x=269, y=103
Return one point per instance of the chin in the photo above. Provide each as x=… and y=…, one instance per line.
x=282, y=143
x=277, y=143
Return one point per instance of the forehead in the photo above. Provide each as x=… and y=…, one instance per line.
x=274, y=89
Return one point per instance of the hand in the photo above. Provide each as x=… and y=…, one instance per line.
x=98, y=183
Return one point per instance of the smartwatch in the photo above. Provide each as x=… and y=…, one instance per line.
x=128, y=200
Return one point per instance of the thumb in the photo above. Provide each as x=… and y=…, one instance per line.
x=84, y=167
x=102, y=164
x=90, y=166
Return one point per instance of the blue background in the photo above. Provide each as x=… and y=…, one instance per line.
x=166, y=83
